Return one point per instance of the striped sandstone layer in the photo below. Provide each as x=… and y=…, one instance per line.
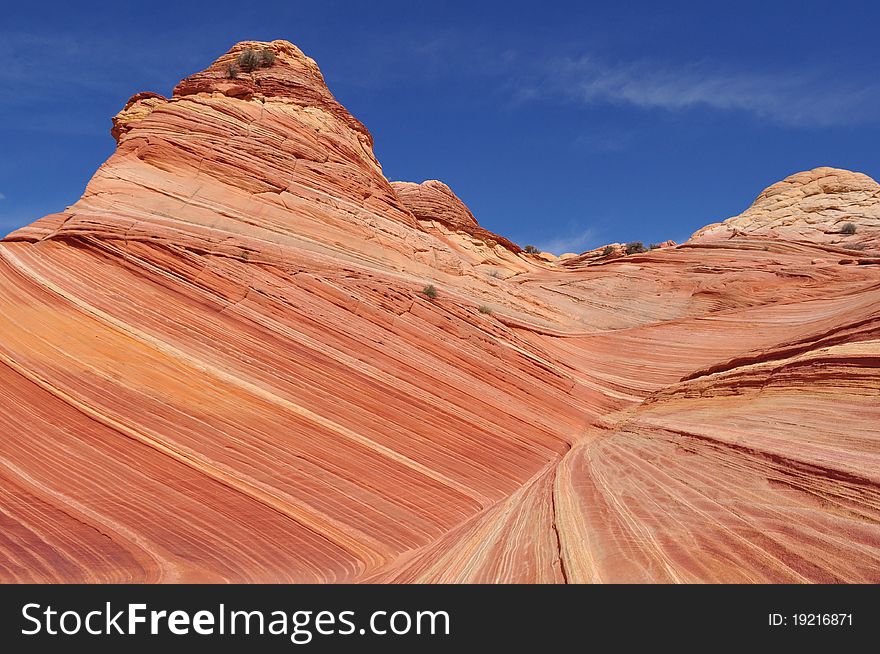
x=219, y=365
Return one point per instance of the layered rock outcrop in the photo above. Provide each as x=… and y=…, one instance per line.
x=219, y=365
x=433, y=202
x=441, y=212
x=823, y=205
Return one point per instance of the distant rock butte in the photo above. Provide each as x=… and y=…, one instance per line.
x=220, y=365
x=815, y=206
x=434, y=202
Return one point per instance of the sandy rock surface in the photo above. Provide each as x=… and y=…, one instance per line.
x=220, y=365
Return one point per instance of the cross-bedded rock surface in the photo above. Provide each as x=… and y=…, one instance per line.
x=219, y=365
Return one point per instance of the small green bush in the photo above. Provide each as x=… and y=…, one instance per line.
x=429, y=291
x=232, y=71
x=608, y=251
x=635, y=247
x=531, y=249
x=848, y=228
x=653, y=246
x=248, y=60
x=485, y=309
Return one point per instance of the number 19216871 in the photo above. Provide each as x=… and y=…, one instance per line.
x=810, y=620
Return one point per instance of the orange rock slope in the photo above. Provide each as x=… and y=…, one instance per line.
x=219, y=365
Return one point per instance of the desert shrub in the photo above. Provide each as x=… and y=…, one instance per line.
x=531, y=249
x=608, y=251
x=848, y=228
x=267, y=58
x=248, y=60
x=653, y=246
x=232, y=71
x=855, y=246
x=635, y=247
x=485, y=309
x=429, y=291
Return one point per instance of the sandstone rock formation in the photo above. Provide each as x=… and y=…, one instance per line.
x=434, y=202
x=219, y=365
x=823, y=205
x=442, y=213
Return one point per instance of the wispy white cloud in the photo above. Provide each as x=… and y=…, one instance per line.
x=797, y=98
x=807, y=96
x=577, y=242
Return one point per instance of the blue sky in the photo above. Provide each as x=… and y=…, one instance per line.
x=561, y=124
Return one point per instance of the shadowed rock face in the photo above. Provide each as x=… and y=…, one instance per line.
x=219, y=365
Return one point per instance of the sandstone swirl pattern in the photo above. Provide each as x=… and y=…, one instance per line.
x=218, y=365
